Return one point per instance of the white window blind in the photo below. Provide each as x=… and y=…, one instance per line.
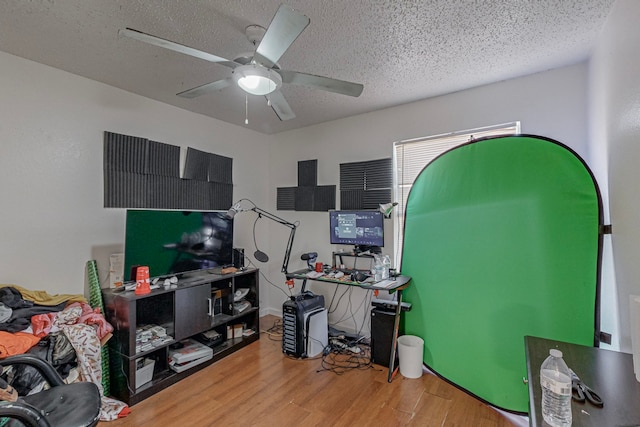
x=411, y=156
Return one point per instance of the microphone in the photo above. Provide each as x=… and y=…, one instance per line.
x=233, y=210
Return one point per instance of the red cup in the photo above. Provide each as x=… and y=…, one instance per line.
x=319, y=267
x=142, y=280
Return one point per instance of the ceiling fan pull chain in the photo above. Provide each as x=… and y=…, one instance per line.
x=246, y=109
x=270, y=89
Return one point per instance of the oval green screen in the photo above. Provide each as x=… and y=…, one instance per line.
x=502, y=240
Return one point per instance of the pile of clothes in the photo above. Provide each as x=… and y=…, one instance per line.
x=61, y=329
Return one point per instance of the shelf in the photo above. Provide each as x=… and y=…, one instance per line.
x=185, y=313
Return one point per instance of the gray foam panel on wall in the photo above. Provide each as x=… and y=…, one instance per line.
x=220, y=169
x=324, y=198
x=163, y=159
x=304, y=198
x=220, y=195
x=125, y=153
x=365, y=185
x=378, y=174
x=351, y=176
x=196, y=165
x=351, y=199
x=139, y=173
x=163, y=192
x=124, y=189
x=286, y=199
x=308, y=173
x=372, y=198
x=195, y=195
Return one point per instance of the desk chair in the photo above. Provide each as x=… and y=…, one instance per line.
x=68, y=405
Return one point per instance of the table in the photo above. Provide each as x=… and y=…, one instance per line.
x=401, y=283
x=609, y=373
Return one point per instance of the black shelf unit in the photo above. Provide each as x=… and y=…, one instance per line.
x=201, y=302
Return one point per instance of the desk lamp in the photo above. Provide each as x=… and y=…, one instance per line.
x=241, y=206
x=387, y=208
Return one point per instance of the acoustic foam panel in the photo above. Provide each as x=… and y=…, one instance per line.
x=220, y=169
x=304, y=198
x=286, y=199
x=324, y=198
x=196, y=165
x=501, y=241
x=308, y=173
x=139, y=173
x=365, y=185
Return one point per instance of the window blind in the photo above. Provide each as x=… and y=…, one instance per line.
x=411, y=156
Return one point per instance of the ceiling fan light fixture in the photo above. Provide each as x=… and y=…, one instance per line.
x=256, y=79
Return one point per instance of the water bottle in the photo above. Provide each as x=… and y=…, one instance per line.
x=377, y=269
x=555, y=380
x=386, y=266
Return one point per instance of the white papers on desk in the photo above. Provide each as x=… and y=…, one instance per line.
x=384, y=284
x=315, y=274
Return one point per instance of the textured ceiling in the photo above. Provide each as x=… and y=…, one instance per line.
x=402, y=51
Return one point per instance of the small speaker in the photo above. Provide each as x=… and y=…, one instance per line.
x=238, y=257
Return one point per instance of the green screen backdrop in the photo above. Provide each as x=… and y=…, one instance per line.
x=502, y=240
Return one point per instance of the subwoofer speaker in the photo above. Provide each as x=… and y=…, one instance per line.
x=238, y=257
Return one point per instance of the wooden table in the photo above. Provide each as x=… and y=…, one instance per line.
x=609, y=373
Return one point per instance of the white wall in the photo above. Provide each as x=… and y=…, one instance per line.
x=615, y=134
x=52, y=218
x=551, y=104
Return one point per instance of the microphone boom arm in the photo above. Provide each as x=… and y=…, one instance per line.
x=287, y=254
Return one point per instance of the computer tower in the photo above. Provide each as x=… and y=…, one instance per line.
x=304, y=324
x=381, y=336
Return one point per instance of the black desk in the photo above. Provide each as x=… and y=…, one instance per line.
x=609, y=373
x=401, y=283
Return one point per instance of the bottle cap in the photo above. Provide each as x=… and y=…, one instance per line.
x=555, y=352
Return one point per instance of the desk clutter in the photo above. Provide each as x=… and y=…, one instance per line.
x=354, y=278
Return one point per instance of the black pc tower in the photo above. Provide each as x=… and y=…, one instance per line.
x=304, y=324
x=382, y=322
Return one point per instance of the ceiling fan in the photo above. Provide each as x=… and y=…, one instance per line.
x=259, y=73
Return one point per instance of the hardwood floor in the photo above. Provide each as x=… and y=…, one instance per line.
x=260, y=386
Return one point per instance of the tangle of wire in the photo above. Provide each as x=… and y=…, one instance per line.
x=339, y=356
x=365, y=302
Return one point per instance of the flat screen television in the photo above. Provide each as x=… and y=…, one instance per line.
x=172, y=242
x=363, y=229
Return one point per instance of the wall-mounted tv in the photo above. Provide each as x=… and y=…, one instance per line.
x=172, y=242
x=363, y=229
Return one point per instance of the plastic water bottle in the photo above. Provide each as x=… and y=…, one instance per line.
x=555, y=380
x=377, y=268
x=386, y=266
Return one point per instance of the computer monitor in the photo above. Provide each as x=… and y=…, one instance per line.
x=363, y=229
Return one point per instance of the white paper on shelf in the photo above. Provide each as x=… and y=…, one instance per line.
x=384, y=284
x=634, y=310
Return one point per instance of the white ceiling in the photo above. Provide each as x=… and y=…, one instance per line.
x=402, y=51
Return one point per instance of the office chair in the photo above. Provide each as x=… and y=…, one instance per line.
x=68, y=405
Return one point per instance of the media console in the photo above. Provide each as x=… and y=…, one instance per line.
x=219, y=311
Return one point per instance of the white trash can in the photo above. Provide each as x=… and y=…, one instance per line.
x=410, y=351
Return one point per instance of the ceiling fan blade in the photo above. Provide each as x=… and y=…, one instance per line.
x=286, y=26
x=206, y=88
x=280, y=106
x=176, y=47
x=319, y=82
